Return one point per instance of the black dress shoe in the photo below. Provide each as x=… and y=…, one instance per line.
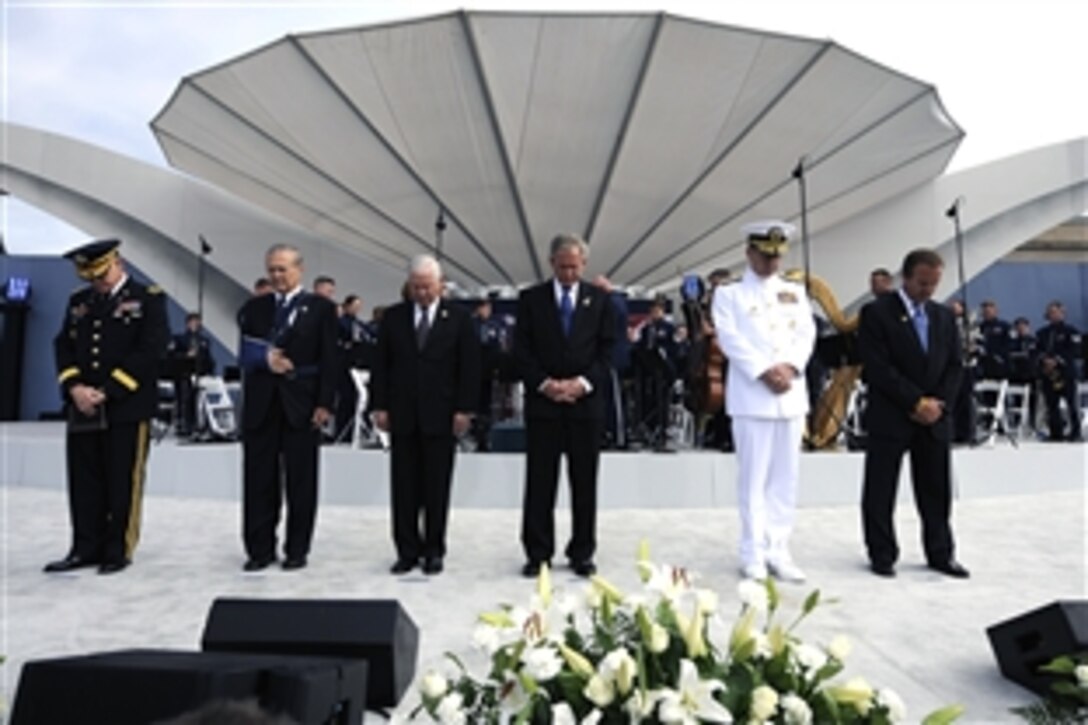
x=403, y=566
x=951, y=568
x=294, y=562
x=112, y=567
x=258, y=564
x=432, y=565
x=885, y=570
x=532, y=568
x=68, y=563
x=584, y=568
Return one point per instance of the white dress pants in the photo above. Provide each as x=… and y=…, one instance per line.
x=768, y=457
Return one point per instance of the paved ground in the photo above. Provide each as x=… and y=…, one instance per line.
x=921, y=634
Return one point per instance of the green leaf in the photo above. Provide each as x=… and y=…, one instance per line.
x=944, y=716
x=1065, y=688
x=811, y=602
x=773, y=598
x=1060, y=665
x=829, y=670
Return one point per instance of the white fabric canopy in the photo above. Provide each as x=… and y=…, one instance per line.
x=652, y=135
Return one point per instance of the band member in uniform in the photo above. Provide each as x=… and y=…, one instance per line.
x=425, y=381
x=1058, y=347
x=195, y=349
x=881, y=282
x=911, y=355
x=996, y=338
x=765, y=328
x=108, y=352
x=290, y=363
x=563, y=347
x=1022, y=353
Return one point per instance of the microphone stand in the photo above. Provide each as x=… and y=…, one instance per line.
x=953, y=213
x=802, y=187
x=205, y=249
x=439, y=229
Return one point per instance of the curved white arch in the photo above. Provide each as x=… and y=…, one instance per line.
x=159, y=213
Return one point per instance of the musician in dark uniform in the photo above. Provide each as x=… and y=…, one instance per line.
x=1022, y=353
x=107, y=353
x=996, y=337
x=1058, y=347
x=290, y=362
x=194, y=347
x=656, y=364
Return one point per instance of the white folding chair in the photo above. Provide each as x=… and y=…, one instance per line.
x=1017, y=409
x=363, y=432
x=990, y=410
x=215, y=409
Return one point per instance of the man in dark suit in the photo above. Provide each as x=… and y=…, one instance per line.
x=563, y=347
x=911, y=353
x=289, y=357
x=107, y=352
x=424, y=384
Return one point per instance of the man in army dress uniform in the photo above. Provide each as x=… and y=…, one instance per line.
x=765, y=328
x=107, y=353
x=1058, y=347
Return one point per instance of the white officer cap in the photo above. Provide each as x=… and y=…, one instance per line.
x=770, y=236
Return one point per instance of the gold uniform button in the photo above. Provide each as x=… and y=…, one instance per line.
x=94, y=350
x=98, y=323
x=95, y=336
x=94, y=364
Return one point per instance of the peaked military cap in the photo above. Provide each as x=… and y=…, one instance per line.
x=770, y=237
x=94, y=258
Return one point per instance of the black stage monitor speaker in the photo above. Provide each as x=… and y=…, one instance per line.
x=137, y=687
x=1024, y=643
x=378, y=631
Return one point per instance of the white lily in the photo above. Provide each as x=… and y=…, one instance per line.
x=890, y=700
x=620, y=667
x=764, y=702
x=433, y=685
x=449, y=710
x=600, y=691
x=795, y=710
x=541, y=663
x=693, y=700
x=840, y=647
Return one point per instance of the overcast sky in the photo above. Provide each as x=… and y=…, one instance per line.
x=1011, y=73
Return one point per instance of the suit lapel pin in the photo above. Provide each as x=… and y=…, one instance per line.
x=445, y=314
x=903, y=318
x=585, y=302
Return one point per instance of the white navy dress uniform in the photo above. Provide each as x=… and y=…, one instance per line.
x=761, y=322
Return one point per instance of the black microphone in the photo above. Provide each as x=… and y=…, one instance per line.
x=799, y=170
x=440, y=223
x=954, y=210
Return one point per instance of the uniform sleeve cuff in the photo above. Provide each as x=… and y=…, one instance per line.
x=67, y=374
x=125, y=379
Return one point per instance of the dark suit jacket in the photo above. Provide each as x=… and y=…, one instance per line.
x=542, y=350
x=422, y=389
x=310, y=344
x=898, y=372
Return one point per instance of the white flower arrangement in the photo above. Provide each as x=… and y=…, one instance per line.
x=662, y=655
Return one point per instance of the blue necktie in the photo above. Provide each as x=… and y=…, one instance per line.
x=921, y=326
x=566, y=310
x=282, y=312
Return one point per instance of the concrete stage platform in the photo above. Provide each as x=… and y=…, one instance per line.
x=1020, y=523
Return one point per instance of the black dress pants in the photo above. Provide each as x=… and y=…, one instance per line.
x=421, y=468
x=277, y=459
x=106, y=471
x=930, y=474
x=547, y=439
